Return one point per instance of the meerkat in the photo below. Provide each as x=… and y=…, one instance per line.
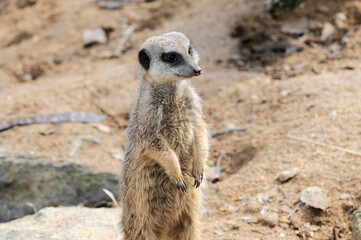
x=167, y=145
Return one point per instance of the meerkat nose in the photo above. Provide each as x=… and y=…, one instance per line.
x=197, y=72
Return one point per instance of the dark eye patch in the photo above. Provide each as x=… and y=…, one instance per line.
x=172, y=58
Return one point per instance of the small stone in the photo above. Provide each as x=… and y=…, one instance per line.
x=36, y=71
x=264, y=210
x=323, y=9
x=27, y=78
x=328, y=32
x=286, y=209
x=297, y=27
x=246, y=218
x=117, y=154
x=340, y=21
x=270, y=219
x=312, y=228
x=235, y=227
x=333, y=113
x=344, y=196
x=286, y=175
x=94, y=36
x=232, y=209
x=315, y=197
x=219, y=233
x=285, y=92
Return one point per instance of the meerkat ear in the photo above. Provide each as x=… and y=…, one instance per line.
x=144, y=59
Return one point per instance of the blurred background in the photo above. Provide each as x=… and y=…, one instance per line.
x=280, y=85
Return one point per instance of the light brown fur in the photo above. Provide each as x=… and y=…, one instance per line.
x=167, y=146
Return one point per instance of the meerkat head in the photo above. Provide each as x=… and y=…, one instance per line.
x=168, y=58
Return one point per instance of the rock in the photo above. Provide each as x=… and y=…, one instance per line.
x=285, y=93
x=25, y=3
x=345, y=196
x=315, y=197
x=94, y=36
x=270, y=219
x=246, y=218
x=312, y=228
x=270, y=46
x=286, y=175
x=36, y=71
x=328, y=32
x=65, y=223
x=219, y=233
x=356, y=232
x=30, y=180
x=279, y=8
x=297, y=27
x=323, y=9
x=340, y=21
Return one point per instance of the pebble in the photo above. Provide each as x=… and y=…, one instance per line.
x=344, y=196
x=297, y=27
x=246, y=218
x=96, y=35
x=264, y=210
x=219, y=233
x=285, y=92
x=328, y=32
x=340, y=21
x=315, y=197
x=286, y=175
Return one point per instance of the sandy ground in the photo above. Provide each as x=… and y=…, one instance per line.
x=319, y=105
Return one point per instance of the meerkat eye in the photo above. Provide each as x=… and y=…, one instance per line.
x=190, y=50
x=171, y=57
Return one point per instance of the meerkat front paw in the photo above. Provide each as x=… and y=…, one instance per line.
x=182, y=185
x=198, y=178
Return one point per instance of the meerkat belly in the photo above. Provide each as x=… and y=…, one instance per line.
x=162, y=194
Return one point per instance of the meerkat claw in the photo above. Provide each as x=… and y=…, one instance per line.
x=182, y=186
x=198, y=181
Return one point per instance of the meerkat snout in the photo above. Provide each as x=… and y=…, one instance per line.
x=168, y=58
x=197, y=72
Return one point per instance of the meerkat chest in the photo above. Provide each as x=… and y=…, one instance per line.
x=178, y=123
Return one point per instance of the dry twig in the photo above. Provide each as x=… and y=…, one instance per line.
x=111, y=195
x=124, y=39
x=215, y=133
x=324, y=145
